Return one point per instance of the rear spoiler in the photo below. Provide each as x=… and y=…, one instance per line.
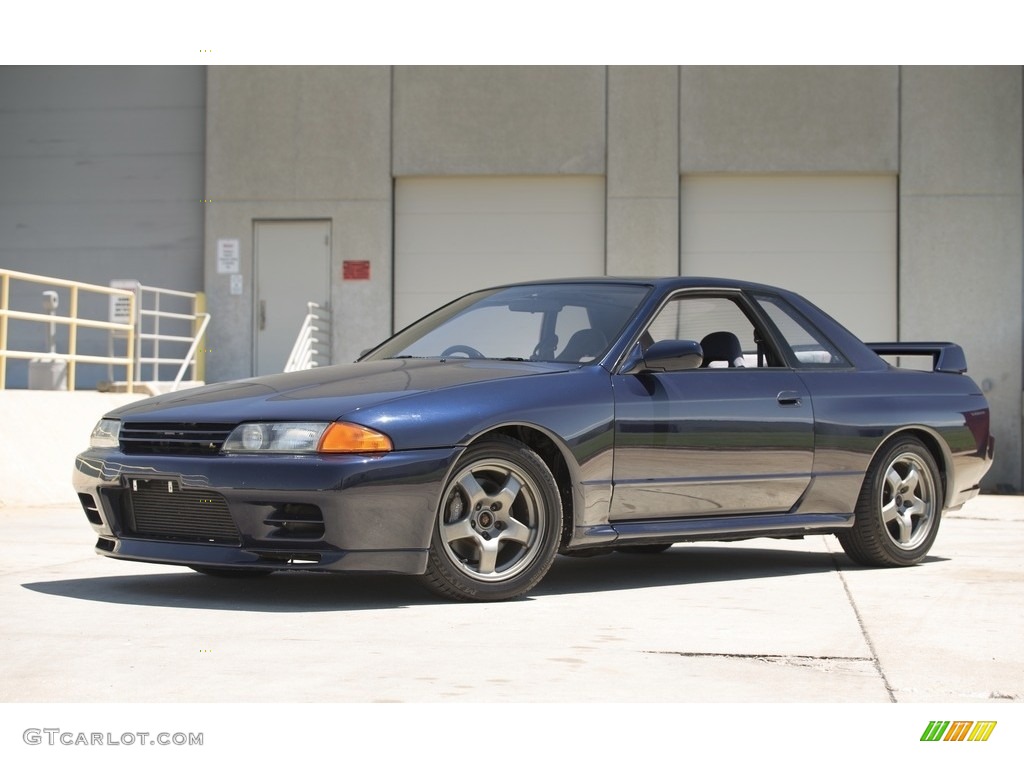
x=946, y=356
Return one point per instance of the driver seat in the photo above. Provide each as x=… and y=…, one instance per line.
x=722, y=346
x=584, y=345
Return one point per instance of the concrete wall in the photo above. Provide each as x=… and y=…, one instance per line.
x=643, y=183
x=101, y=177
x=960, y=230
x=456, y=121
x=299, y=143
x=788, y=119
x=100, y=169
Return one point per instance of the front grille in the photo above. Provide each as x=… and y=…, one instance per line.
x=177, y=439
x=162, y=509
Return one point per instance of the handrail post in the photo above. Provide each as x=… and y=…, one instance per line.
x=156, y=335
x=199, y=308
x=136, y=324
x=73, y=338
x=191, y=351
x=132, y=332
x=129, y=384
x=5, y=291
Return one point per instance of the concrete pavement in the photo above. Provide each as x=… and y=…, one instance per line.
x=757, y=621
x=617, y=660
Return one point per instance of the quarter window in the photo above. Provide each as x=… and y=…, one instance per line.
x=810, y=349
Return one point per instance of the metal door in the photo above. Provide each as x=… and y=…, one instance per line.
x=292, y=268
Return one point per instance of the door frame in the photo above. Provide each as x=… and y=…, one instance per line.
x=256, y=280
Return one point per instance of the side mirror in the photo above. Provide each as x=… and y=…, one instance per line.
x=667, y=356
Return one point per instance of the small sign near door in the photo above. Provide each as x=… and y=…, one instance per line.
x=119, y=304
x=228, y=256
x=355, y=270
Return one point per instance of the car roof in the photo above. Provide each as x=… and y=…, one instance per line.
x=853, y=347
x=661, y=282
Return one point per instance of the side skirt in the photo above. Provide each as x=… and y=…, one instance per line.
x=778, y=526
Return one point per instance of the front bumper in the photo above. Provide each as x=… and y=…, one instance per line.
x=334, y=513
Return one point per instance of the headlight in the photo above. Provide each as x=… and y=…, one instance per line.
x=305, y=437
x=105, y=434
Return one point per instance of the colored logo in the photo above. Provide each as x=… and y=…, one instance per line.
x=958, y=730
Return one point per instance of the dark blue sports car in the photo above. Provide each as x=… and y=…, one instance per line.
x=575, y=417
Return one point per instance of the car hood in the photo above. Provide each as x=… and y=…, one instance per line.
x=325, y=394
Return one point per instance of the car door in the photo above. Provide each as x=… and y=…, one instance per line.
x=731, y=437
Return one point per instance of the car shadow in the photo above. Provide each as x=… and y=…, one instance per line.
x=279, y=593
x=687, y=564
x=311, y=592
x=677, y=566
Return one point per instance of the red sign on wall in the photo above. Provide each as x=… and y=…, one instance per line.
x=355, y=270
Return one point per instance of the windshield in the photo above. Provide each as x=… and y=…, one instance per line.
x=565, y=322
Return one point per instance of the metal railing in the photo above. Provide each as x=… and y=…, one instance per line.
x=313, y=344
x=184, y=325
x=71, y=320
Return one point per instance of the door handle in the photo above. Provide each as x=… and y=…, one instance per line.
x=788, y=397
x=263, y=315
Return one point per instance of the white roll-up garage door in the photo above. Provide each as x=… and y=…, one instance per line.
x=453, y=235
x=831, y=238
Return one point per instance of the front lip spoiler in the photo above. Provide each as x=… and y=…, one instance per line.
x=402, y=561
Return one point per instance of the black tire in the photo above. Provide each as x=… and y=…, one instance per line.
x=229, y=573
x=899, y=508
x=498, y=524
x=642, y=549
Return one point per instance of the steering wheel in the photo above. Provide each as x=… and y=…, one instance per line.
x=463, y=349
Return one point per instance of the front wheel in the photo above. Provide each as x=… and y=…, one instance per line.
x=498, y=525
x=899, y=509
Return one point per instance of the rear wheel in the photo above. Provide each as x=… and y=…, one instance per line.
x=498, y=525
x=899, y=509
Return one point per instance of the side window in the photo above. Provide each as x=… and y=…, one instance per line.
x=809, y=347
x=727, y=336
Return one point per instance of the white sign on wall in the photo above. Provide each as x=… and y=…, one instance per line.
x=119, y=312
x=228, y=256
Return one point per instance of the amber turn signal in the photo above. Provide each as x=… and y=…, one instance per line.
x=342, y=437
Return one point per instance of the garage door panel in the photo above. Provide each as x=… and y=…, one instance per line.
x=786, y=193
x=454, y=235
x=831, y=238
x=847, y=269
x=784, y=232
x=500, y=194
